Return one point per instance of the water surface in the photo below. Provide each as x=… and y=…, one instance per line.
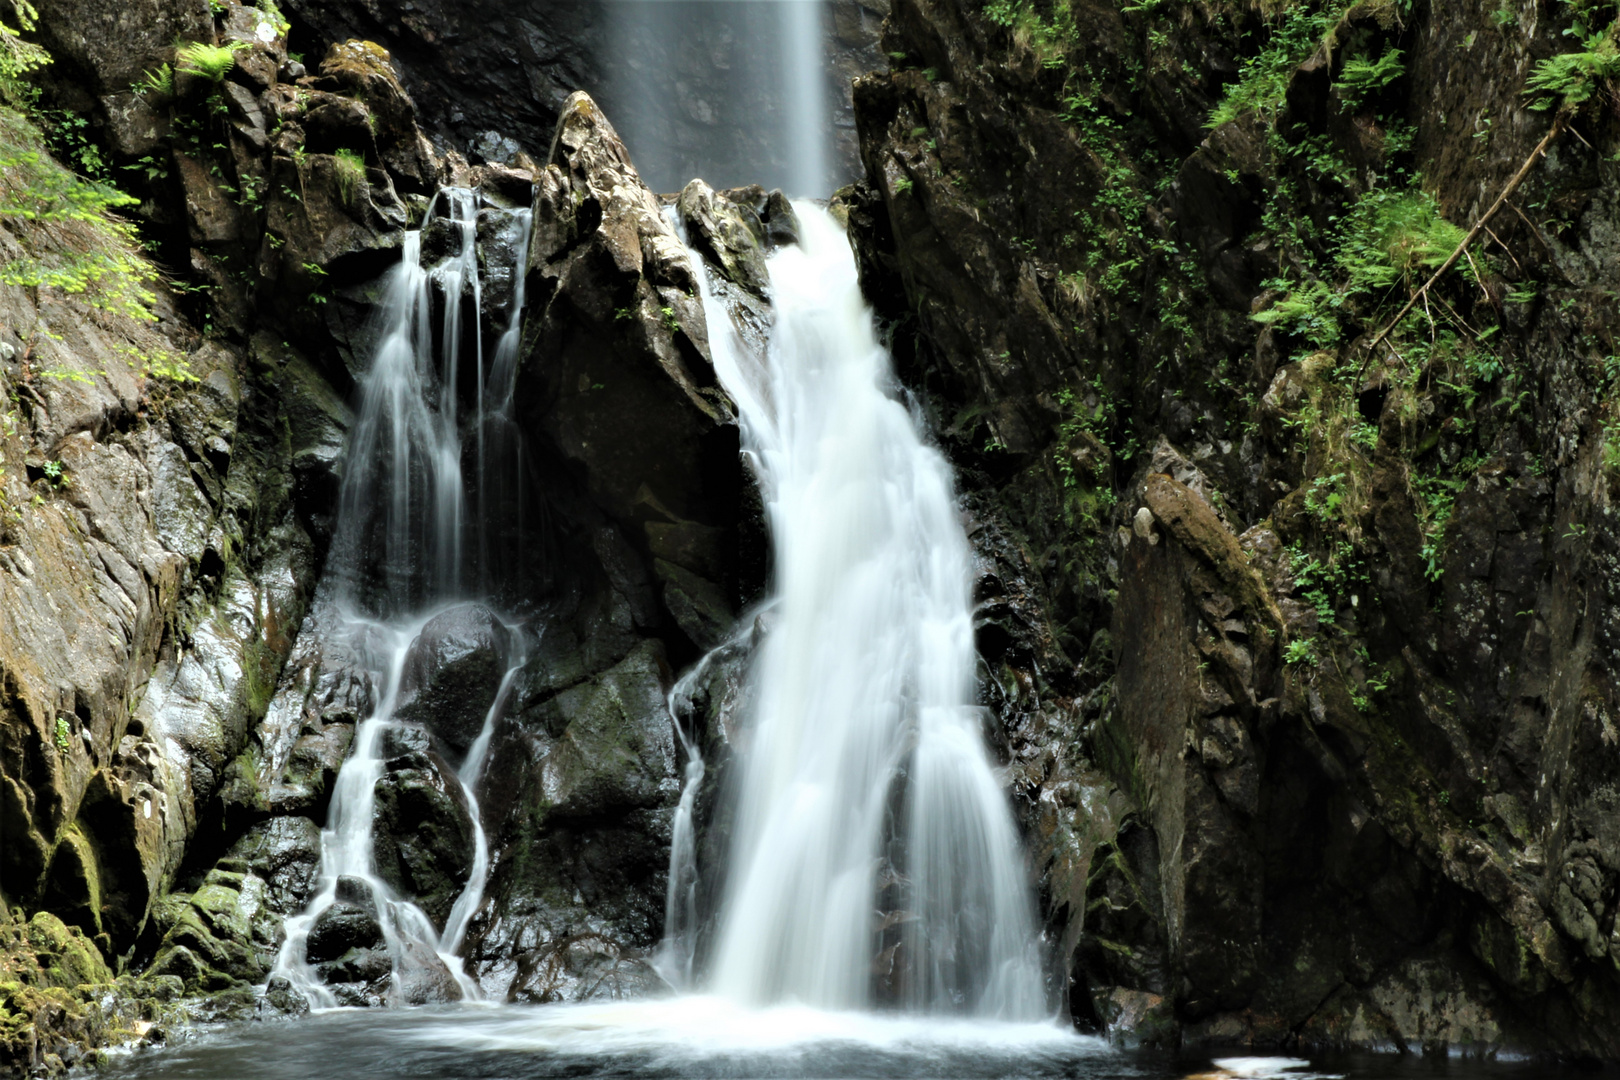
x=703, y=1037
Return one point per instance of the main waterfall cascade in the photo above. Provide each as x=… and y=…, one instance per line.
x=864, y=690
x=403, y=511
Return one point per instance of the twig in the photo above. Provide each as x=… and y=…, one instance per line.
x=1507, y=249
x=1512, y=185
x=1478, y=279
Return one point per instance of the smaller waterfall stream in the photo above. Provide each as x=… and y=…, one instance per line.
x=404, y=510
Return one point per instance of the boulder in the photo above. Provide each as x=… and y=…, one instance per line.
x=422, y=832
x=452, y=673
x=346, y=925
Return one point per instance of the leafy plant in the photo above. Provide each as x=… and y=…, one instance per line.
x=671, y=323
x=1362, y=76
x=1568, y=79
x=158, y=83
x=1300, y=651
x=212, y=62
x=1263, y=79
x=903, y=186
x=54, y=475
x=64, y=735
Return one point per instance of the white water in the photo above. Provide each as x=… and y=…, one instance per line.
x=405, y=465
x=864, y=687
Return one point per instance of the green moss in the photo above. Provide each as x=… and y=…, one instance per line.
x=351, y=172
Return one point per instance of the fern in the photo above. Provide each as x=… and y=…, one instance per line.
x=212, y=62
x=1571, y=78
x=1362, y=76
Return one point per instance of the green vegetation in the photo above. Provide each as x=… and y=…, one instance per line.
x=156, y=83
x=212, y=62
x=1570, y=79
x=351, y=171
x=76, y=244
x=1300, y=651
x=1362, y=76
x=1262, y=79
x=64, y=735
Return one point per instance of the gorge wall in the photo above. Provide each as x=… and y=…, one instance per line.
x=1301, y=652
x=1303, y=649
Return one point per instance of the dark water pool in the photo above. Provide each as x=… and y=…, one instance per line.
x=695, y=1037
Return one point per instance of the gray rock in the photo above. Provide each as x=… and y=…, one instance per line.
x=452, y=672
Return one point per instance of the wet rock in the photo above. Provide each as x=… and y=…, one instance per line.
x=346, y=930
x=486, y=66
x=218, y=936
x=614, y=748
x=281, y=996
x=452, y=673
x=422, y=832
x=494, y=148
x=424, y=978
x=285, y=852
x=598, y=234
x=367, y=966
x=727, y=232
x=364, y=70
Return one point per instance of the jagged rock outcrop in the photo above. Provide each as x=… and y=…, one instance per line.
x=654, y=557
x=1301, y=654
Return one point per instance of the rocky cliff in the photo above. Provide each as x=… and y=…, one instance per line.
x=177, y=699
x=1300, y=630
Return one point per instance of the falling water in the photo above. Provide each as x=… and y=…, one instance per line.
x=735, y=92
x=404, y=486
x=804, y=96
x=864, y=688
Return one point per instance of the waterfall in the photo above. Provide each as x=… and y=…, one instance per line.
x=772, y=124
x=403, y=512
x=865, y=780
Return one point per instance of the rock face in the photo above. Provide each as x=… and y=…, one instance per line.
x=697, y=84
x=1302, y=654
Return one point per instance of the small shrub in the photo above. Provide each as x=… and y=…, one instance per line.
x=18, y=57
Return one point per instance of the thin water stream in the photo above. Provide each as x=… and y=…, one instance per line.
x=404, y=510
